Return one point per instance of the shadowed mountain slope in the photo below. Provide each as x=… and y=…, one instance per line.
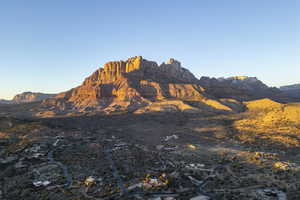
x=242, y=88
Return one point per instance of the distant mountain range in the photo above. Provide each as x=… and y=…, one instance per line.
x=139, y=85
x=291, y=90
x=242, y=88
x=27, y=97
x=3, y=101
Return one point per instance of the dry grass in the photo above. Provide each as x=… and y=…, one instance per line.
x=269, y=122
x=171, y=105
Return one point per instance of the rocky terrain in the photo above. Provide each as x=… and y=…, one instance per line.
x=142, y=131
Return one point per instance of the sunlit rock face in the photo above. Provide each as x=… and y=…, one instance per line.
x=135, y=83
x=112, y=71
x=139, y=68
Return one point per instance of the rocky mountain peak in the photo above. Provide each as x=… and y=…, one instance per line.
x=174, y=69
x=173, y=62
x=113, y=70
x=244, y=79
x=138, y=68
x=136, y=85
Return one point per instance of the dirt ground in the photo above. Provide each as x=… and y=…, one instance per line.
x=147, y=156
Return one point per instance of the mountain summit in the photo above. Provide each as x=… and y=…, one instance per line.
x=138, y=85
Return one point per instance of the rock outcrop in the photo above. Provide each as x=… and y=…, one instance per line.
x=136, y=84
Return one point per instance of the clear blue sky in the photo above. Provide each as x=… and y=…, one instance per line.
x=51, y=46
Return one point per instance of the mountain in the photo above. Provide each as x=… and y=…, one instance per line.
x=290, y=87
x=28, y=97
x=3, y=101
x=291, y=90
x=138, y=85
x=242, y=88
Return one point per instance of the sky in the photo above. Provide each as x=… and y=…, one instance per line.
x=52, y=46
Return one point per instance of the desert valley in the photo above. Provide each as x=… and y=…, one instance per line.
x=135, y=129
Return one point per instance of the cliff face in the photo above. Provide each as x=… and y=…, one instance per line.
x=138, y=68
x=132, y=85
